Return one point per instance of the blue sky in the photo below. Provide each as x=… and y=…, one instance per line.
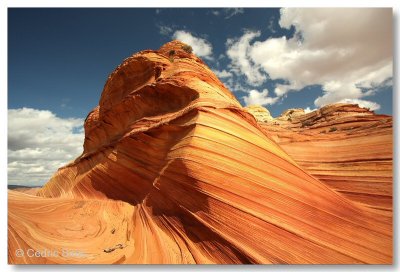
x=59, y=60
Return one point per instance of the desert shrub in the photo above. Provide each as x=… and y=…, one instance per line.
x=306, y=124
x=187, y=48
x=332, y=129
x=171, y=54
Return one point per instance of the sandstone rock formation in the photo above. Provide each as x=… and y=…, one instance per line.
x=174, y=170
x=260, y=113
x=347, y=147
x=290, y=113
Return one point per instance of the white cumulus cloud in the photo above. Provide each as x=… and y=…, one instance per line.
x=238, y=51
x=308, y=110
x=201, y=47
x=348, y=51
x=255, y=97
x=222, y=74
x=39, y=143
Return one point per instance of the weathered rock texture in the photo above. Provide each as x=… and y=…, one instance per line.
x=347, y=147
x=174, y=170
x=260, y=113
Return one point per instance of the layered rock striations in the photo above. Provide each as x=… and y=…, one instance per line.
x=260, y=113
x=347, y=147
x=174, y=170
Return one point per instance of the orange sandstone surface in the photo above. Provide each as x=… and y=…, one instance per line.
x=347, y=147
x=174, y=170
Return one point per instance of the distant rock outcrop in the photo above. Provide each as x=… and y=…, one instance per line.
x=289, y=114
x=174, y=170
x=347, y=147
x=260, y=113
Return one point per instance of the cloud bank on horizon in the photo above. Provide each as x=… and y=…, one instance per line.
x=39, y=143
x=347, y=51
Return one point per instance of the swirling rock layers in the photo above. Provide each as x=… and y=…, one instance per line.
x=174, y=170
x=347, y=147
